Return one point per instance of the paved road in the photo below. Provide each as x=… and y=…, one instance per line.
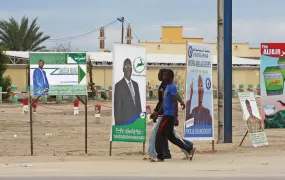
x=140, y=178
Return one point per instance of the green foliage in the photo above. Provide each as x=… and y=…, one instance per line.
x=5, y=81
x=277, y=122
x=91, y=94
x=90, y=86
x=104, y=95
x=21, y=37
x=178, y=79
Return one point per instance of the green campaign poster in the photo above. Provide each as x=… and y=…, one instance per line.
x=58, y=74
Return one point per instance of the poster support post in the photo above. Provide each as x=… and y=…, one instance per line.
x=213, y=145
x=110, y=149
x=31, y=123
x=243, y=138
x=86, y=122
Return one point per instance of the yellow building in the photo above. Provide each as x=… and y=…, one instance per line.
x=18, y=75
x=171, y=43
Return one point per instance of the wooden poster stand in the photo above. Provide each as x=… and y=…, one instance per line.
x=31, y=121
x=243, y=138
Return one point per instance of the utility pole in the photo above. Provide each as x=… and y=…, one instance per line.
x=220, y=43
x=228, y=71
x=122, y=20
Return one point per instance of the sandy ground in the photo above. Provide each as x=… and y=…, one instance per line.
x=68, y=133
x=204, y=165
x=59, y=152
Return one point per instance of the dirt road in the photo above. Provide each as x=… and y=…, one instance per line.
x=141, y=178
x=204, y=165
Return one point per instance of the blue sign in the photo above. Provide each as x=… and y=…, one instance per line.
x=199, y=122
x=208, y=83
x=190, y=51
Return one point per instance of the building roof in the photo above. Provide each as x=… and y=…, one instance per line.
x=151, y=58
x=21, y=54
x=172, y=26
x=170, y=58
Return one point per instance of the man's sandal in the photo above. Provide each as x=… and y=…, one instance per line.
x=192, y=153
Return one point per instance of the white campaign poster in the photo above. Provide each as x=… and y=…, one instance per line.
x=199, y=118
x=252, y=119
x=129, y=93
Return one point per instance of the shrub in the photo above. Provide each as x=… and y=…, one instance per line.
x=5, y=81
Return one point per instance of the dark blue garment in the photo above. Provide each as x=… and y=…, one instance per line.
x=190, y=144
x=40, y=82
x=166, y=151
x=168, y=105
x=161, y=90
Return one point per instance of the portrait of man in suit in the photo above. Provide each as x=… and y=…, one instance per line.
x=40, y=81
x=127, y=102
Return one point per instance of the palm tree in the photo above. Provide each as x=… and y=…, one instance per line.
x=23, y=37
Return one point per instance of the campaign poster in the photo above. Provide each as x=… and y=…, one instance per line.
x=252, y=119
x=272, y=75
x=58, y=74
x=199, y=120
x=129, y=93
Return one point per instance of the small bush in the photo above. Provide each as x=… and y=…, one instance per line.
x=5, y=81
x=104, y=95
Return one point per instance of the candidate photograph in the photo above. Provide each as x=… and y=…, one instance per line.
x=202, y=115
x=127, y=102
x=40, y=81
x=253, y=123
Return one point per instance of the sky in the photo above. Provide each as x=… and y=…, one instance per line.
x=254, y=21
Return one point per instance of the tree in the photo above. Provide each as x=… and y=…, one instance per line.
x=23, y=37
x=62, y=47
x=5, y=81
x=91, y=84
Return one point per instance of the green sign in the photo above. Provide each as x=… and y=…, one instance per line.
x=58, y=74
x=135, y=132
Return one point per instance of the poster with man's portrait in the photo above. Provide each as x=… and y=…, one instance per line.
x=199, y=121
x=129, y=93
x=58, y=73
x=252, y=118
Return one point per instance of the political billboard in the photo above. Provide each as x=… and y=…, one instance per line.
x=252, y=119
x=58, y=73
x=272, y=75
x=129, y=93
x=199, y=121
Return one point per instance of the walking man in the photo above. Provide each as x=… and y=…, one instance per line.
x=157, y=119
x=169, y=119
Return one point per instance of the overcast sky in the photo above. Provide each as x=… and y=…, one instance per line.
x=254, y=21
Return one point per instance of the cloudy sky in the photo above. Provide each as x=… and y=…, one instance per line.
x=254, y=21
